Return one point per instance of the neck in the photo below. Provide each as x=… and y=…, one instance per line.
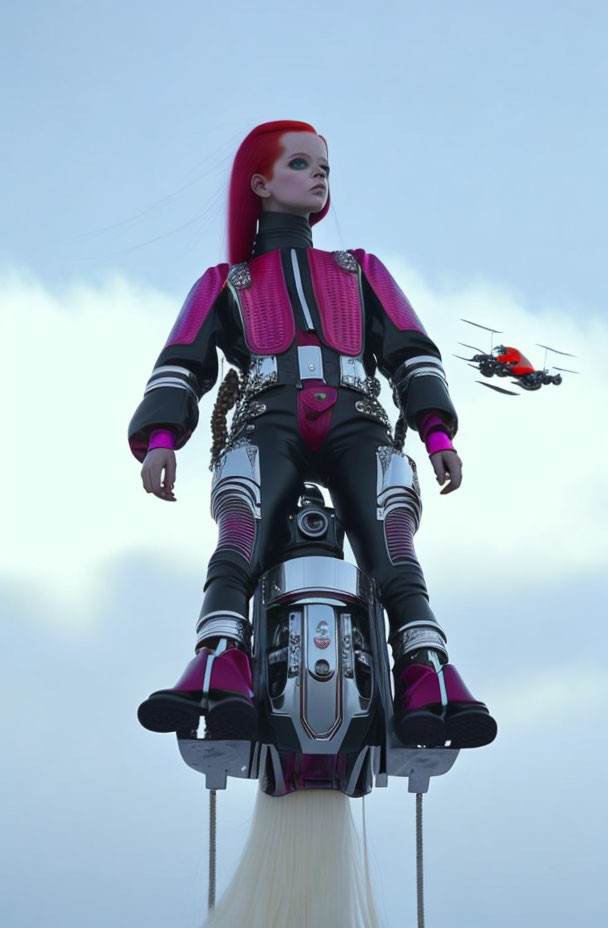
x=281, y=230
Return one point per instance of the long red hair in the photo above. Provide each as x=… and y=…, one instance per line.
x=256, y=155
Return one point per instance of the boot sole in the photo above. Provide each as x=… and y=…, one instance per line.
x=470, y=728
x=231, y=719
x=421, y=728
x=166, y=712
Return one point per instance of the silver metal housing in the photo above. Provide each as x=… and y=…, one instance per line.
x=320, y=696
x=315, y=576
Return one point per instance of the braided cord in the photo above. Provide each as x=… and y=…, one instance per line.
x=227, y=395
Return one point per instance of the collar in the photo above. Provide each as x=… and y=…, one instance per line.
x=281, y=230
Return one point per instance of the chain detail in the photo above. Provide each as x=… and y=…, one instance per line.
x=372, y=408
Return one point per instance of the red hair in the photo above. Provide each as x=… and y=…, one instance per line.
x=256, y=155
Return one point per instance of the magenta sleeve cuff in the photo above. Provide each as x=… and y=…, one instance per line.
x=161, y=438
x=434, y=433
x=438, y=441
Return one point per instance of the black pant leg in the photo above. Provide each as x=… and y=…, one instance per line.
x=383, y=547
x=245, y=540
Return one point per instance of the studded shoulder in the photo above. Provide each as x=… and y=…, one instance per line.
x=239, y=275
x=346, y=260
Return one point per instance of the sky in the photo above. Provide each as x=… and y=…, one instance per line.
x=468, y=147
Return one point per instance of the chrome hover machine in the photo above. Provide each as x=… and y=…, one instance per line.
x=321, y=677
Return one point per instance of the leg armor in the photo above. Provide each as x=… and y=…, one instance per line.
x=236, y=506
x=236, y=499
x=398, y=503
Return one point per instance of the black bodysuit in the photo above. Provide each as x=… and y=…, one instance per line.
x=352, y=458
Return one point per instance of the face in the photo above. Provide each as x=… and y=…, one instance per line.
x=299, y=182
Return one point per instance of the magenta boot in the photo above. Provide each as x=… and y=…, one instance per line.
x=227, y=701
x=434, y=707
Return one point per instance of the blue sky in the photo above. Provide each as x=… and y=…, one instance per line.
x=468, y=150
x=468, y=136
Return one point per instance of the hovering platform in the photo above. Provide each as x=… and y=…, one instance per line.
x=218, y=760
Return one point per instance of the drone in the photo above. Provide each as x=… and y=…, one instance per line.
x=506, y=361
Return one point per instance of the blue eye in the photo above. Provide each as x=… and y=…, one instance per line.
x=295, y=161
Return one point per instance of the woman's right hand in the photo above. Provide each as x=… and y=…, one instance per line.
x=155, y=462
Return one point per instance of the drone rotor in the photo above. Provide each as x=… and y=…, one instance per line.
x=474, y=347
x=486, y=328
x=491, y=386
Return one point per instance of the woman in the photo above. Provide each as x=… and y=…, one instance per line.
x=307, y=329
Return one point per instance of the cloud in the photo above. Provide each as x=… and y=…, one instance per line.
x=78, y=362
x=79, y=359
x=533, y=465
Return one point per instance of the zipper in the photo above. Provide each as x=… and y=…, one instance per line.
x=300, y=290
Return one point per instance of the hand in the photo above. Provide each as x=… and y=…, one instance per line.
x=447, y=464
x=155, y=462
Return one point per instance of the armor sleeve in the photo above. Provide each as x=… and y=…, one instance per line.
x=404, y=352
x=186, y=368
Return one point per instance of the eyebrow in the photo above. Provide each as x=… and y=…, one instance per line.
x=306, y=155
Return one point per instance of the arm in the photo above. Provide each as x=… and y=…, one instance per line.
x=185, y=370
x=411, y=361
x=404, y=352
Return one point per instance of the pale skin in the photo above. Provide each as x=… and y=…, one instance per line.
x=299, y=184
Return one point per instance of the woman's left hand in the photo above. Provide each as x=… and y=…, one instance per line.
x=447, y=465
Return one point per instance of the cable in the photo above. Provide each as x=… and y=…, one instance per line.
x=212, y=847
x=419, y=863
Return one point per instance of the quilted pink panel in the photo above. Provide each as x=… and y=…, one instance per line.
x=396, y=305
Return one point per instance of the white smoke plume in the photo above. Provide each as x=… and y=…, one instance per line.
x=302, y=866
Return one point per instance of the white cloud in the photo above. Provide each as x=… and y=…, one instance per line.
x=533, y=492
x=533, y=488
x=73, y=498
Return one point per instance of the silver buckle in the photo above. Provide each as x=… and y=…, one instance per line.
x=263, y=372
x=310, y=363
x=352, y=373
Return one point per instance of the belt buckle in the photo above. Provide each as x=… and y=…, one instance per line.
x=352, y=373
x=310, y=363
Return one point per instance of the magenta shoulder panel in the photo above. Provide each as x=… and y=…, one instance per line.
x=265, y=307
x=396, y=305
x=198, y=303
x=336, y=290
